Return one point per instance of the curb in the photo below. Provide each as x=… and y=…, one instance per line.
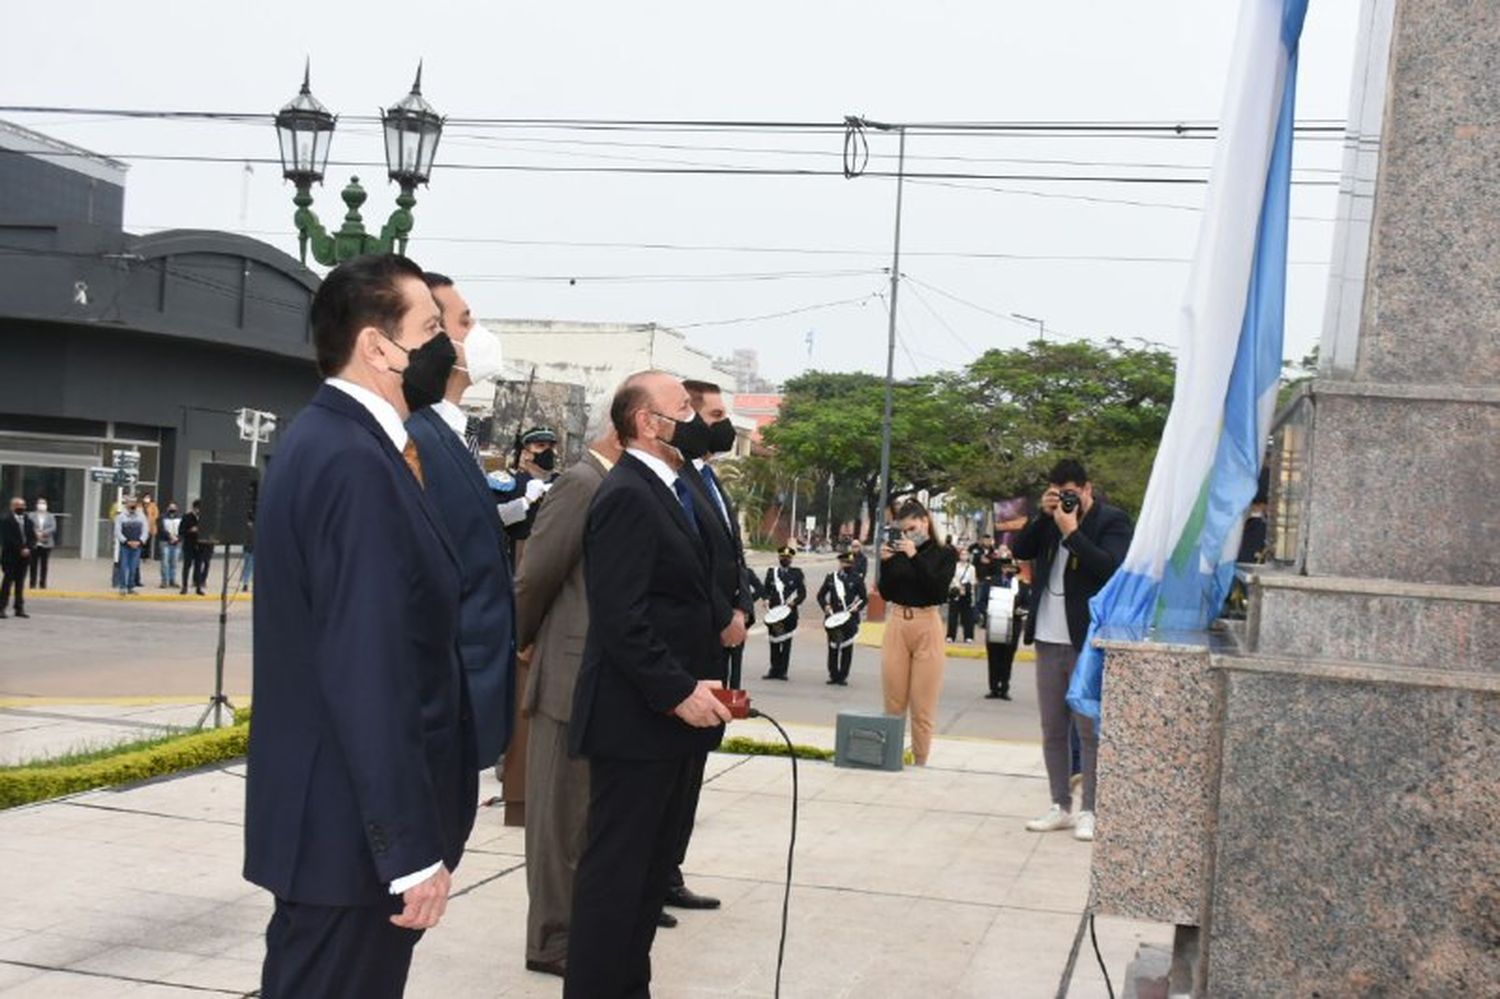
x=871, y=634
x=140, y=596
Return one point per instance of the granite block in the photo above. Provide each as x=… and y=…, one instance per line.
x=1402, y=484
x=1155, y=771
x=1376, y=621
x=1355, y=850
x=1432, y=303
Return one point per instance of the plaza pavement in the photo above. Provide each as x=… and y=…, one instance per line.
x=909, y=884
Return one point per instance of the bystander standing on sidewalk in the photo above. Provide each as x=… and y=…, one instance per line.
x=194, y=559
x=132, y=533
x=169, y=544
x=17, y=541
x=153, y=519
x=44, y=522
x=961, y=598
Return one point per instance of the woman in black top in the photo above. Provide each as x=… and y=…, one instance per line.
x=914, y=577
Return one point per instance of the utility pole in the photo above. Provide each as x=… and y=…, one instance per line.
x=1040, y=324
x=828, y=523
x=890, y=344
x=793, y=540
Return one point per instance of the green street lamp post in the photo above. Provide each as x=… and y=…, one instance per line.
x=304, y=129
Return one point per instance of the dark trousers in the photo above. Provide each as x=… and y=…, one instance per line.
x=734, y=661
x=961, y=611
x=197, y=560
x=327, y=952
x=839, y=661
x=1001, y=656
x=13, y=576
x=635, y=825
x=37, y=568
x=781, y=657
x=689, y=814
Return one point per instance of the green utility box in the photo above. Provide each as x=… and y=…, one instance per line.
x=871, y=740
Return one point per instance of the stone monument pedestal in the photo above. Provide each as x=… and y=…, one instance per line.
x=1316, y=790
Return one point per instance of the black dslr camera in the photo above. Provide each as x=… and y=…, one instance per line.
x=892, y=534
x=1069, y=500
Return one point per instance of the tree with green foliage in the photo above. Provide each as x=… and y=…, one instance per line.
x=830, y=422
x=1105, y=404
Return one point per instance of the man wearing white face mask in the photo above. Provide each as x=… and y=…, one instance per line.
x=456, y=486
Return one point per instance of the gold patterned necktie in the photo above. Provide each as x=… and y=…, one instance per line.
x=413, y=461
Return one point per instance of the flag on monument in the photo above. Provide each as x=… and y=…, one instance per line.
x=1181, y=559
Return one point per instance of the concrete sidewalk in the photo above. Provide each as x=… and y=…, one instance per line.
x=911, y=884
x=90, y=579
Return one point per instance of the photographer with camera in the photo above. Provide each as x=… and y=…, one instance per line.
x=1076, y=544
x=915, y=570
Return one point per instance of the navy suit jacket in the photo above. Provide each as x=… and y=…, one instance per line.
x=487, y=604
x=651, y=622
x=361, y=762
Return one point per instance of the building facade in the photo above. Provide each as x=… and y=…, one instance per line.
x=115, y=342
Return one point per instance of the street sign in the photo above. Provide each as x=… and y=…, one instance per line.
x=105, y=474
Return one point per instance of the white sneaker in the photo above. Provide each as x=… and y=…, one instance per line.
x=1055, y=819
x=1084, y=828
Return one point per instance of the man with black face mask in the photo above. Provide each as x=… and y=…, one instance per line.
x=362, y=771
x=519, y=491
x=710, y=432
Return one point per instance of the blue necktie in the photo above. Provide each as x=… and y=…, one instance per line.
x=714, y=490
x=686, y=499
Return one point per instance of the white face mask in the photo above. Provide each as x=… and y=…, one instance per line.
x=41, y=506
x=481, y=354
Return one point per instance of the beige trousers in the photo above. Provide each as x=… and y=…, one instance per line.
x=911, y=669
x=557, y=811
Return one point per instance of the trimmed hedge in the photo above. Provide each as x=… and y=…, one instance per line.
x=742, y=746
x=27, y=784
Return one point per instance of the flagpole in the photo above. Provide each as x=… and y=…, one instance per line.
x=890, y=345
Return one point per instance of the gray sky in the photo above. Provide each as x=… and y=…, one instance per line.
x=1151, y=60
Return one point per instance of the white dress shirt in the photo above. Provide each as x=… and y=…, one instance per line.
x=390, y=421
x=454, y=417
x=665, y=472
x=385, y=414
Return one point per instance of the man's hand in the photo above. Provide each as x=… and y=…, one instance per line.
x=1050, y=499
x=701, y=709
x=734, y=632
x=26, y=553
x=425, y=903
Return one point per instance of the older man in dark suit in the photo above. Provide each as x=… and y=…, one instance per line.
x=644, y=708
x=17, y=543
x=552, y=618
x=362, y=773
x=457, y=489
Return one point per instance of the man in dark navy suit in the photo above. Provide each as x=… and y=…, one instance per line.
x=643, y=708
x=362, y=773
x=456, y=487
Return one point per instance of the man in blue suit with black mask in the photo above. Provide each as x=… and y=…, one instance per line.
x=457, y=489
x=362, y=773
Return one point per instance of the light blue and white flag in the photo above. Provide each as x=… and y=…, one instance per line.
x=1181, y=560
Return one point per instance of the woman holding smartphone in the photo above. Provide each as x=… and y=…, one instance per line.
x=915, y=570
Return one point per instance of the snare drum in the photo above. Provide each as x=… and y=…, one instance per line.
x=834, y=623
x=776, y=620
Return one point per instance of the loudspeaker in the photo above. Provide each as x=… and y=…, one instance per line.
x=229, y=494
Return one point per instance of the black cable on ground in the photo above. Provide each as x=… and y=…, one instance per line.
x=786, y=898
x=1100, y=958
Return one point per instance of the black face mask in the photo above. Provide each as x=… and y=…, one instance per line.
x=720, y=437
x=425, y=377
x=786, y=563
x=546, y=460
x=691, y=438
